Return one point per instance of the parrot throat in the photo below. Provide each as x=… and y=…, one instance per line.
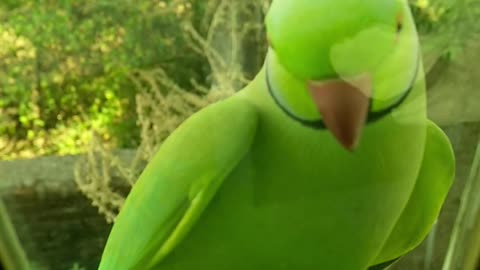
x=373, y=116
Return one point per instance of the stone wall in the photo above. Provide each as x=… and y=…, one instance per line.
x=56, y=225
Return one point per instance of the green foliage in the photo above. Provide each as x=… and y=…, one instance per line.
x=76, y=266
x=447, y=25
x=65, y=67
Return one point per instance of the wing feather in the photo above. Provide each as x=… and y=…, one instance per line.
x=432, y=186
x=178, y=184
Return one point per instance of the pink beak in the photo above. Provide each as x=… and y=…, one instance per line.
x=343, y=106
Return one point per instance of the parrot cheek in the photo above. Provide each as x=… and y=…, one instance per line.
x=344, y=107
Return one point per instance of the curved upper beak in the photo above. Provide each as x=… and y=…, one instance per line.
x=343, y=104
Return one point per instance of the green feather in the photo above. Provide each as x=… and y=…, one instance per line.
x=431, y=189
x=178, y=183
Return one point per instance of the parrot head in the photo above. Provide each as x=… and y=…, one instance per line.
x=340, y=64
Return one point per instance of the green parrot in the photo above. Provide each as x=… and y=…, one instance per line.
x=326, y=160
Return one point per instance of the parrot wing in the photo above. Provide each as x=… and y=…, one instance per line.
x=178, y=184
x=434, y=180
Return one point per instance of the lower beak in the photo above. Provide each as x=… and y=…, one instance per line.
x=343, y=105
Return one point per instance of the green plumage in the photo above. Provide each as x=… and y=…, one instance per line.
x=243, y=185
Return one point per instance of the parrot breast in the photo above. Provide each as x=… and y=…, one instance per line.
x=298, y=200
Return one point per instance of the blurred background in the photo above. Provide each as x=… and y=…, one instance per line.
x=90, y=89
